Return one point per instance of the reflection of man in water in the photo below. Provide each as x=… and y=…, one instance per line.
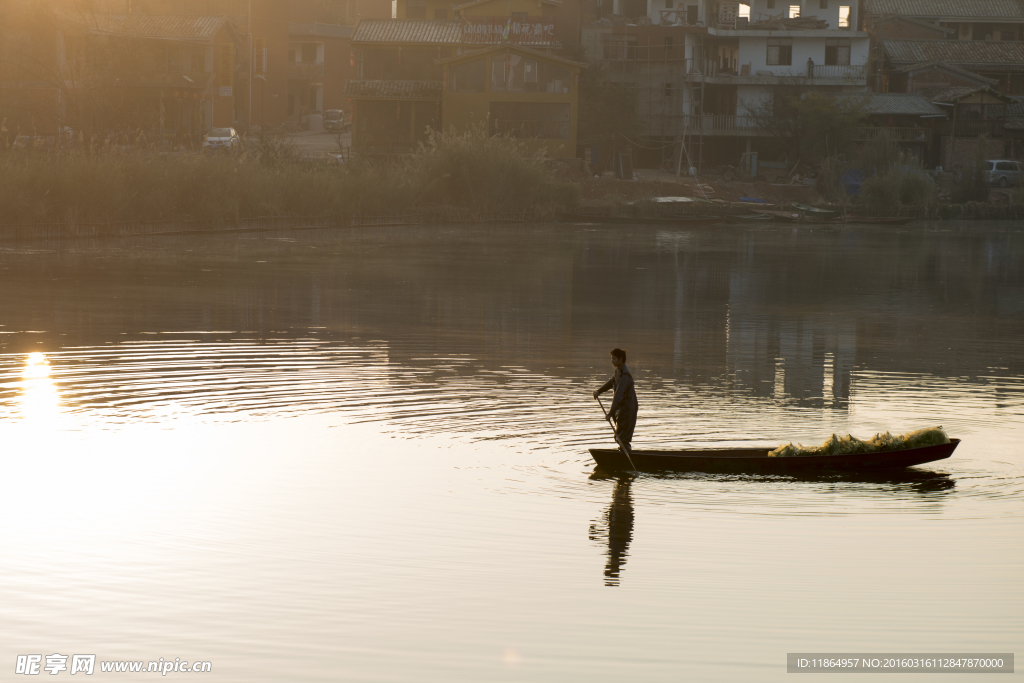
x=624, y=404
x=619, y=520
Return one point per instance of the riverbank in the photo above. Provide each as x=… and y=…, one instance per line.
x=469, y=178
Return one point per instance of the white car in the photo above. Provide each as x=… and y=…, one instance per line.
x=222, y=138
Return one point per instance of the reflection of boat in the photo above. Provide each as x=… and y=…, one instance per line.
x=815, y=212
x=757, y=460
x=756, y=217
x=606, y=218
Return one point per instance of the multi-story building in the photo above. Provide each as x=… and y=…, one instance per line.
x=400, y=88
x=702, y=70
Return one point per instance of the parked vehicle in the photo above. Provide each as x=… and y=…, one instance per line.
x=1003, y=172
x=221, y=138
x=335, y=120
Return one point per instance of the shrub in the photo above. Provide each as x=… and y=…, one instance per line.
x=470, y=172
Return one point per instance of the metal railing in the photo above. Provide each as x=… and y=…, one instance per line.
x=972, y=129
x=849, y=72
x=306, y=71
x=720, y=122
x=896, y=134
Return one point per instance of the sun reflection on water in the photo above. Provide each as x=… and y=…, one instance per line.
x=40, y=400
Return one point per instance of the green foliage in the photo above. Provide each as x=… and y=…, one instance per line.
x=810, y=125
x=472, y=172
x=971, y=181
x=893, y=178
x=485, y=173
x=828, y=182
x=607, y=110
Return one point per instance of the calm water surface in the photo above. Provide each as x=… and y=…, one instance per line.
x=361, y=455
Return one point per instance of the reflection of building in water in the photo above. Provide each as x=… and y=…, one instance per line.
x=616, y=529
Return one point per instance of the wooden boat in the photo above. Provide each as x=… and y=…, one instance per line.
x=755, y=217
x=869, y=220
x=757, y=460
x=815, y=212
x=633, y=220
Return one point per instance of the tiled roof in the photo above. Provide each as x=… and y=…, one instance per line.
x=393, y=90
x=408, y=31
x=156, y=26
x=950, y=68
x=958, y=92
x=969, y=54
x=951, y=9
x=908, y=104
x=471, y=3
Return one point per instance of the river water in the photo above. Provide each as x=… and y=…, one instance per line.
x=360, y=455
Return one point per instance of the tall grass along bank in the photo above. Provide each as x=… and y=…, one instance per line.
x=469, y=174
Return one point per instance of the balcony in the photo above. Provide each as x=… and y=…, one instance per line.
x=895, y=134
x=306, y=71
x=844, y=72
x=972, y=129
x=722, y=124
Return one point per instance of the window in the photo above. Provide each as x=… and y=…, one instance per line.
x=837, y=51
x=780, y=51
x=823, y=4
x=744, y=12
x=794, y=11
x=771, y=4
x=513, y=73
x=530, y=120
x=844, y=16
x=415, y=9
x=691, y=15
x=668, y=43
x=668, y=90
x=1006, y=166
x=440, y=14
x=668, y=4
x=468, y=77
x=309, y=52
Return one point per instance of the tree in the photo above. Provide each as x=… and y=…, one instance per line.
x=810, y=125
x=607, y=110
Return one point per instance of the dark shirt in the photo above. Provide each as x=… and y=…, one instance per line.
x=625, y=392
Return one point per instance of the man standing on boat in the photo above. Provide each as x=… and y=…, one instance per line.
x=624, y=404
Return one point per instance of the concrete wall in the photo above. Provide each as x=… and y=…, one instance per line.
x=808, y=8
x=754, y=51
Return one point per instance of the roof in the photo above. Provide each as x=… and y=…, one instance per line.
x=156, y=26
x=963, y=74
x=916, y=22
x=980, y=10
x=408, y=31
x=508, y=47
x=393, y=90
x=900, y=103
x=473, y=3
x=970, y=54
x=959, y=92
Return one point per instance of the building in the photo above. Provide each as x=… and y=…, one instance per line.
x=169, y=76
x=319, y=66
x=398, y=92
x=515, y=91
x=702, y=70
